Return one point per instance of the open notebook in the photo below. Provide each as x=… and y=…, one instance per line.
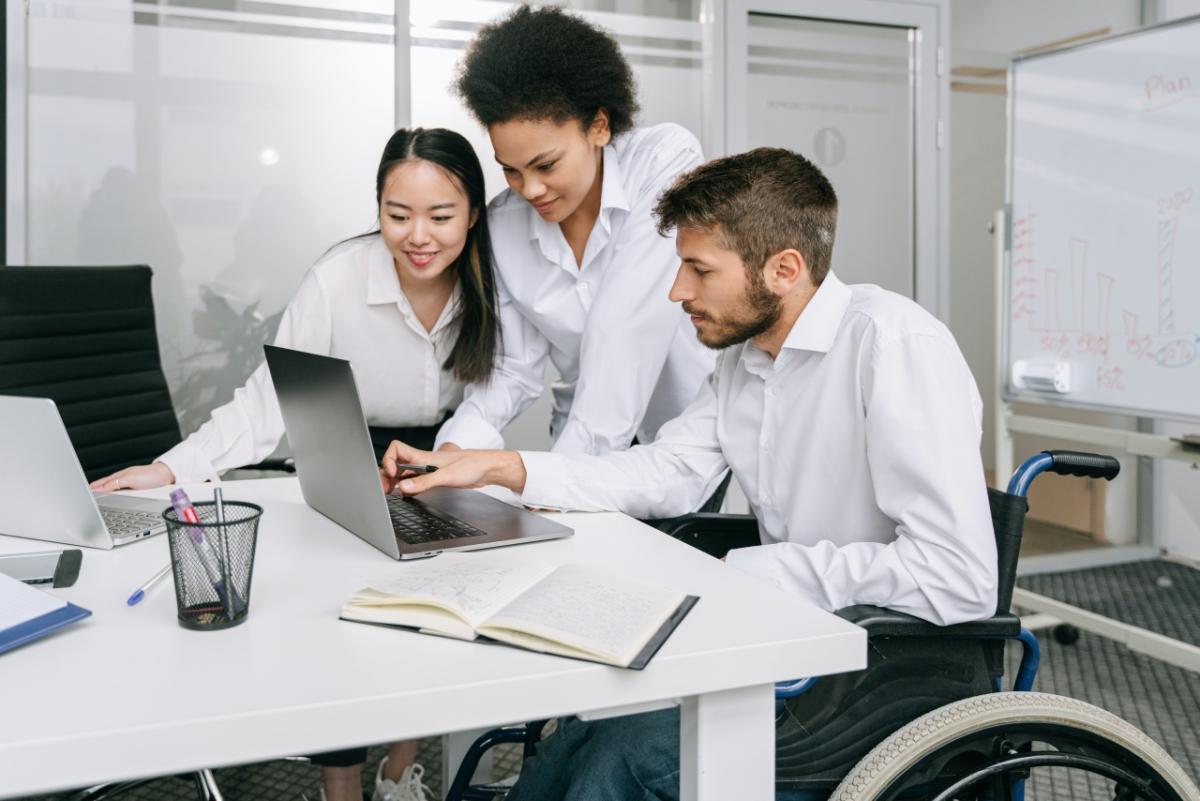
x=569, y=610
x=27, y=613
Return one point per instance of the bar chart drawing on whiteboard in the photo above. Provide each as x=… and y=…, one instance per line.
x=1102, y=274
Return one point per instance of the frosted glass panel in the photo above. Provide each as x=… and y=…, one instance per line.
x=842, y=95
x=225, y=149
x=675, y=9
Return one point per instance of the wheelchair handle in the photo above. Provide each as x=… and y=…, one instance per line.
x=1065, y=463
x=1089, y=465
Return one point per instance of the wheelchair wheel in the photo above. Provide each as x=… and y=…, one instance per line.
x=973, y=748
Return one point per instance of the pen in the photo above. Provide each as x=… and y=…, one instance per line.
x=219, y=508
x=417, y=468
x=208, y=558
x=140, y=592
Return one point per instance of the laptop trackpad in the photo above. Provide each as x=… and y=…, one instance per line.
x=487, y=514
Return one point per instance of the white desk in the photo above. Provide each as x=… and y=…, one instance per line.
x=130, y=693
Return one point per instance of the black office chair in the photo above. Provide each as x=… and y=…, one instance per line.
x=85, y=338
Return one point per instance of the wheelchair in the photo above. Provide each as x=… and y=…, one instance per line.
x=928, y=718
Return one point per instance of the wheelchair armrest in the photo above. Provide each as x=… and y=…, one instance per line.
x=715, y=534
x=880, y=622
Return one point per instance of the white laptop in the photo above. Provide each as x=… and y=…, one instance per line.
x=44, y=494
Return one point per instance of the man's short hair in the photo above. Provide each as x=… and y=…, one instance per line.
x=759, y=203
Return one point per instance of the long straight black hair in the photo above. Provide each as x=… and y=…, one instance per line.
x=474, y=353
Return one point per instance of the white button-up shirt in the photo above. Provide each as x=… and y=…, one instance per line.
x=857, y=447
x=627, y=358
x=350, y=305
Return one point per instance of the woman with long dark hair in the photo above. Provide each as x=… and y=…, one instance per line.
x=413, y=306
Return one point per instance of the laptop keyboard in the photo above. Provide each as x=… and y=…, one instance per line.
x=121, y=522
x=416, y=523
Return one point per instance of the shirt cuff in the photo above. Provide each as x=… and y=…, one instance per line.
x=469, y=431
x=766, y=562
x=189, y=464
x=545, y=480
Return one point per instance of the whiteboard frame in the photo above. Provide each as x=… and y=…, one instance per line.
x=1009, y=393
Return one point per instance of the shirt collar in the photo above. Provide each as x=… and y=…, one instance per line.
x=449, y=311
x=814, y=330
x=383, y=286
x=612, y=196
x=818, y=324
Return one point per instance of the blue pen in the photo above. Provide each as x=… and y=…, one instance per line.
x=204, y=551
x=140, y=592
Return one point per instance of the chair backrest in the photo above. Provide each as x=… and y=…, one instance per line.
x=85, y=338
x=1008, y=522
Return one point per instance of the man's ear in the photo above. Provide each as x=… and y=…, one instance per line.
x=786, y=271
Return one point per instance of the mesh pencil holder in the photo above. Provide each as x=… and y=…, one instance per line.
x=212, y=562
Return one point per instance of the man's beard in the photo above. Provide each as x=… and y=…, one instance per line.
x=758, y=310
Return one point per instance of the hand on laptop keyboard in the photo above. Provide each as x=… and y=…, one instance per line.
x=456, y=468
x=138, y=477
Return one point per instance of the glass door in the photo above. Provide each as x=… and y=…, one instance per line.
x=859, y=95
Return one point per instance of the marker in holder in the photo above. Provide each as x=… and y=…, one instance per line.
x=212, y=558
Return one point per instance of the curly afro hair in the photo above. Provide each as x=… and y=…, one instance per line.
x=543, y=63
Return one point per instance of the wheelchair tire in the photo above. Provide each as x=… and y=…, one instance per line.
x=881, y=774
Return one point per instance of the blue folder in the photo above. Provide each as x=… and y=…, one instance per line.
x=40, y=626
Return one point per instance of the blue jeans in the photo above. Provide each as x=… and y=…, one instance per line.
x=632, y=758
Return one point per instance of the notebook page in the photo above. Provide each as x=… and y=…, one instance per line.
x=19, y=602
x=594, y=611
x=474, y=584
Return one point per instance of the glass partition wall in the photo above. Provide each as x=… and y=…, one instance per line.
x=228, y=145
x=225, y=148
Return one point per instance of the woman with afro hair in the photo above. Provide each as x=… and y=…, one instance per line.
x=583, y=276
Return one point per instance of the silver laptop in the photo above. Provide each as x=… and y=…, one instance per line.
x=44, y=494
x=340, y=478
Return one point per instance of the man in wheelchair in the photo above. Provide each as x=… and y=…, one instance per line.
x=852, y=422
x=848, y=416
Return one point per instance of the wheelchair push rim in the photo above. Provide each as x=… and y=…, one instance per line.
x=1003, y=736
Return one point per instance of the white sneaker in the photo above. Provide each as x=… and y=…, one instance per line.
x=409, y=788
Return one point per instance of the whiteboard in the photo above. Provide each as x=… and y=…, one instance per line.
x=1102, y=280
